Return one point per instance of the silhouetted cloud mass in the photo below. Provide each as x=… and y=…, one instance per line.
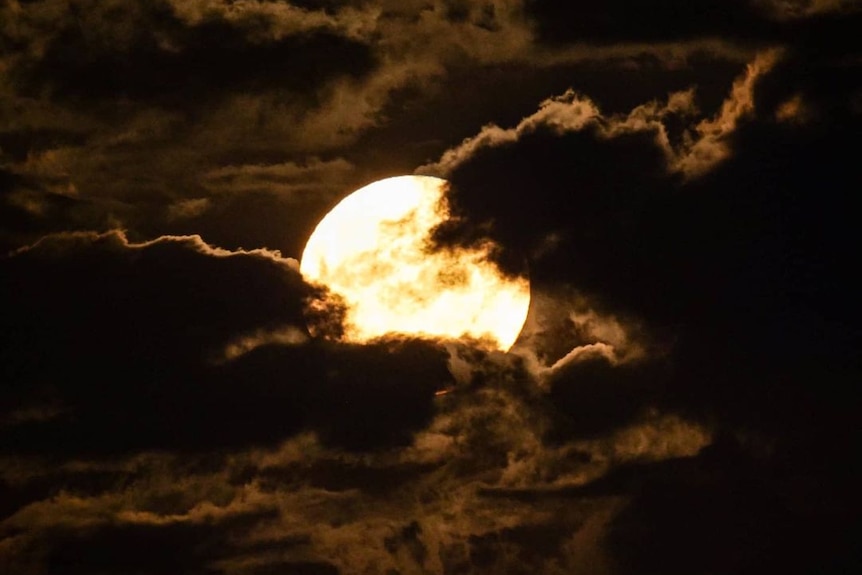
x=677, y=179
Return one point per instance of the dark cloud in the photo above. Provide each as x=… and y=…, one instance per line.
x=599, y=209
x=741, y=262
x=134, y=338
x=188, y=548
x=679, y=179
x=616, y=21
x=723, y=511
x=297, y=568
x=173, y=55
x=744, y=20
x=377, y=396
x=337, y=475
x=217, y=55
x=122, y=325
x=592, y=396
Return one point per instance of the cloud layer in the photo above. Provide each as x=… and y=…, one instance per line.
x=678, y=180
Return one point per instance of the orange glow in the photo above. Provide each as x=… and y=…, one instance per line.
x=373, y=250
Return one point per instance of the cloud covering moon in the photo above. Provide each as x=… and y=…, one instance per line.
x=375, y=250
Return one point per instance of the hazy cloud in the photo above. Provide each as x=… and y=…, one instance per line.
x=268, y=21
x=793, y=9
x=289, y=178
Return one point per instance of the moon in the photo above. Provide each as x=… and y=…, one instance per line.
x=374, y=252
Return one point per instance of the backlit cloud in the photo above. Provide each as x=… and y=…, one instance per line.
x=703, y=146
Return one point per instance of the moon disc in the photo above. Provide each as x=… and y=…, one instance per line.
x=374, y=251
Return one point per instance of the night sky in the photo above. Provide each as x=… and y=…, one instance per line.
x=677, y=178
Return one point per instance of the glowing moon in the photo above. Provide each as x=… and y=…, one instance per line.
x=374, y=251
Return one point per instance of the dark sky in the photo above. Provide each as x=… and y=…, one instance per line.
x=680, y=178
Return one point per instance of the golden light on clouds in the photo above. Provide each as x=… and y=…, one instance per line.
x=374, y=251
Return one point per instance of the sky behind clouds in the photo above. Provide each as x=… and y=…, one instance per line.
x=678, y=180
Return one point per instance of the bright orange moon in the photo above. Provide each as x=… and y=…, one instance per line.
x=374, y=250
